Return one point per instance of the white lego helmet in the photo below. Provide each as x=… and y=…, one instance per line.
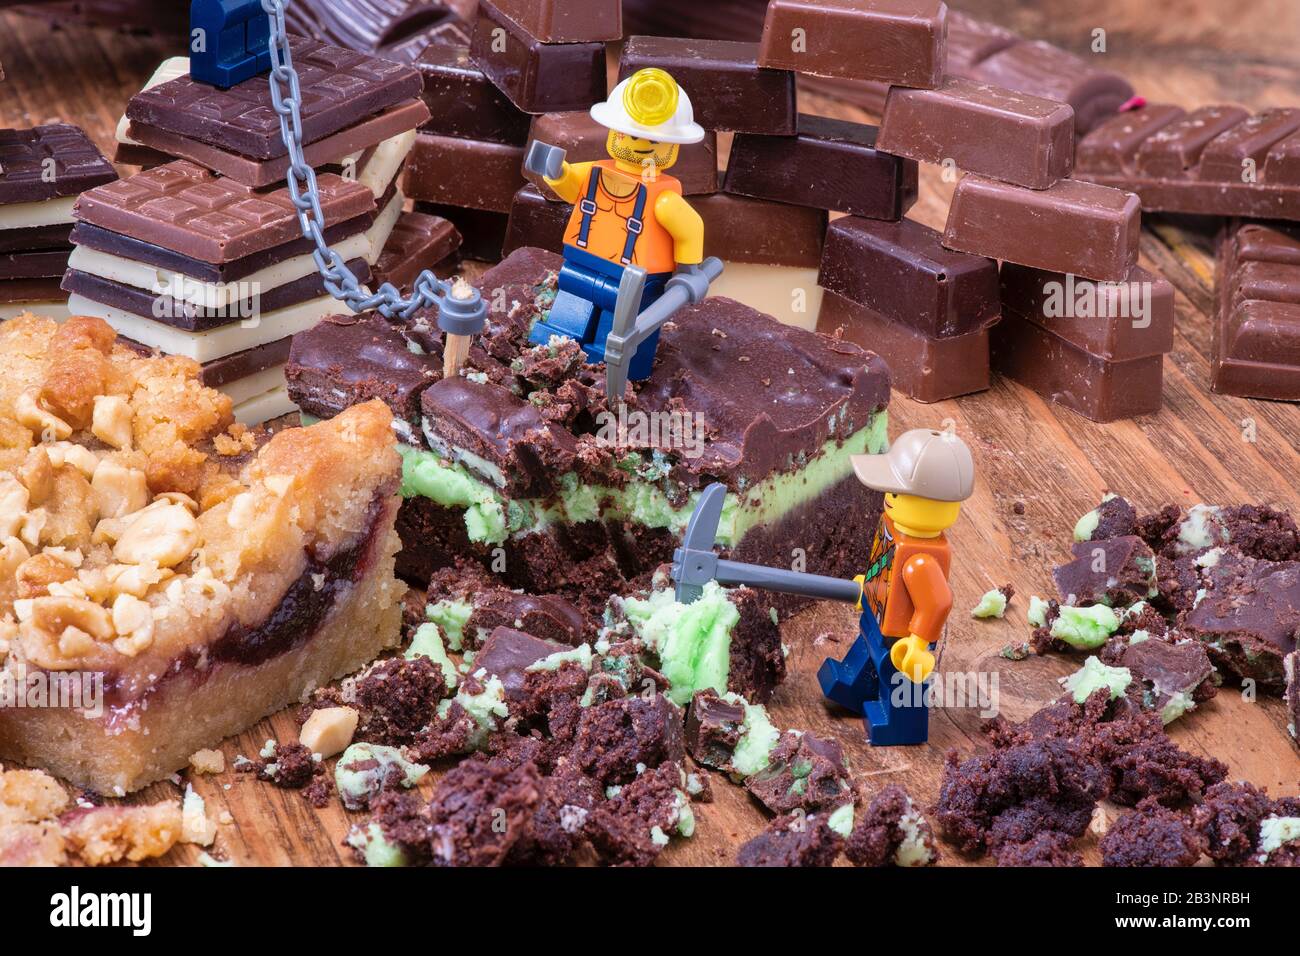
x=650, y=105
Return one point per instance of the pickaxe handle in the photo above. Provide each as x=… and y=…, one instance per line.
x=696, y=567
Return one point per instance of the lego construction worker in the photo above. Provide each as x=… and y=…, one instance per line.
x=627, y=211
x=905, y=600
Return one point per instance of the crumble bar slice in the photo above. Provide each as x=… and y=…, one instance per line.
x=174, y=587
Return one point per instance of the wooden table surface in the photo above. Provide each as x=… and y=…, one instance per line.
x=1032, y=457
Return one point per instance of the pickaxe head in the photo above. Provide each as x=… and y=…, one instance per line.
x=695, y=563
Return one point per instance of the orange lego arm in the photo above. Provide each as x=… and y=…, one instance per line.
x=927, y=585
x=572, y=181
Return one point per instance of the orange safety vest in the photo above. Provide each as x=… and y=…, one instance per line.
x=625, y=230
x=906, y=583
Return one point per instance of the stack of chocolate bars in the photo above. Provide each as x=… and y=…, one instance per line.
x=202, y=256
x=41, y=172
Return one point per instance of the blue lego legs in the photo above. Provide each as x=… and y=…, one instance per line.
x=229, y=41
x=583, y=309
x=893, y=708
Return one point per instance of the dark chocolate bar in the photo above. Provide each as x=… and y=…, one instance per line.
x=584, y=141
x=56, y=236
x=387, y=28
x=477, y=174
x=49, y=161
x=482, y=233
x=921, y=366
x=567, y=21
x=339, y=88
x=740, y=229
x=537, y=77
x=995, y=132
x=418, y=242
x=237, y=365
x=463, y=101
x=900, y=42
x=1216, y=160
x=538, y=221
x=727, y=87
x=258, y=173
x=1118, y=321
x=1255, y=349
x=40, y=264
x=1082, y=228
x=198, y=214
x=901, y=271
x=192, y=318
x=30, y=290
x=831, y=164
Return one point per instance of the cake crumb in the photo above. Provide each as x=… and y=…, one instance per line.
x=207, y=761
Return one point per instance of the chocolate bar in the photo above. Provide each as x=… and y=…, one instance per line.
x=901, y=271
x=981, y=129
x=728, y=89
x=567, y=21
x=1075, y=227
x=1255, y=349
x=739, y=229
x=394, y=29
x=418, y=242
x=537, y=77
x=584, y=141
x=1216, y=160
x=27, y=292
x=900, y=42
x=339, y=88
x=259, y=173
x=49, y=162
x=482, y=233
x=198, y=214
x=55, y=236
x=40, y=264
x=477, y=174
x=831, y=164
x=538, y=221
x=1118, y=321
x=463, y=101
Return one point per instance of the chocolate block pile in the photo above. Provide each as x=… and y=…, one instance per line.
x=41, y=172
x=202, y=255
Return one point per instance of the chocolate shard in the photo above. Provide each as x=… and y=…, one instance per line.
x=507, y=655
x=831, y=164
x=1216, y=160
x=49, y=161
x=804, y=772
x=522, y=452
x=418, y=242
x=1255, y=347
x=463, y=102
x=982, y=129
x=550, y=617
x=728, y=89
x=1089, y=230
x=435, y=172
x=537, y=77
x=393, y=29
x=713, y=729
x=538, y=221
x=1116, y=572
x=584, y=140
x=902, y=271
x=339, y=87
x=900, y=42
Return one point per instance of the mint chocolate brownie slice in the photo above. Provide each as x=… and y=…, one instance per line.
x=521, y=465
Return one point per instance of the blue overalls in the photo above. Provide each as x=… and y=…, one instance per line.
x=588, y=289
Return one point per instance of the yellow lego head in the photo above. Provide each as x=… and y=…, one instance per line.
x=645, y=154
x=921, y=517
x=649, y=118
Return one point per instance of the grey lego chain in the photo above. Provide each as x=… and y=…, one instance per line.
x=460, y=316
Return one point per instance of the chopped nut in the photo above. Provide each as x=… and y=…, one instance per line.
x=74, y=642
x=195, y=825
x=37, y=475
x=111, y=423
x=54, y=615
x=42, y=423
x=119, y=491
x=207, y=761
x=166, y=534
x=37, y=573
x=178, y=498
x=134, y=579
x=33, y=525
x=14, y=498
x=133, y=620
x=65, y=453
x=328, y=731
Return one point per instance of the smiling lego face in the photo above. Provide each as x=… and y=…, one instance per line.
x=921, y=515
x=645, y=154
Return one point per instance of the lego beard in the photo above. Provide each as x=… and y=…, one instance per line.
x=646, y=154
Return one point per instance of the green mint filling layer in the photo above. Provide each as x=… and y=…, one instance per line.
x=451, y=617
x=490, y=518
x=758, y=737
x=427, y=642
x=691, y=641
x=1093, y=676
x=841, y=820
x=580, y=655
x=1085, y=627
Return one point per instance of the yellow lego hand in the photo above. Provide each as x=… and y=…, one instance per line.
x=861, y=580
x=912, y=658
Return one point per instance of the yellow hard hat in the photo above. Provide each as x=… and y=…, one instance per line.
x=650, y=105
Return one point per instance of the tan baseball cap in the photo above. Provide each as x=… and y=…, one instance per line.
x=923, y=462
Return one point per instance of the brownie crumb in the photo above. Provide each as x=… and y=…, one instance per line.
x=794, y=840
x=891, y=832
x=1152, y=835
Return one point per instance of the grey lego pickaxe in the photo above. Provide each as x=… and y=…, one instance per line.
x=695, y=564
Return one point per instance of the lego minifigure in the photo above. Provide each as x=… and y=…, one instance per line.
x=903, y=595
x=627, y=211
x=229, y=41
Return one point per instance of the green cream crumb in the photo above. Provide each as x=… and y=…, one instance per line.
x=364, y=769
x=991, y=604
x=1084, y=627
x=208, y=860
x=1037, y=613
x=1276, y=831
x=375, y=848
x=757, y=738
x=658, y=837
x=1093, y=676
x=685, y=816
x=691, y=641
x=427, y=642
x=841, y=820
x=1179, y=703
x=580, y=655
x=451, y=617
x=486, y=707
x=914, y=850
